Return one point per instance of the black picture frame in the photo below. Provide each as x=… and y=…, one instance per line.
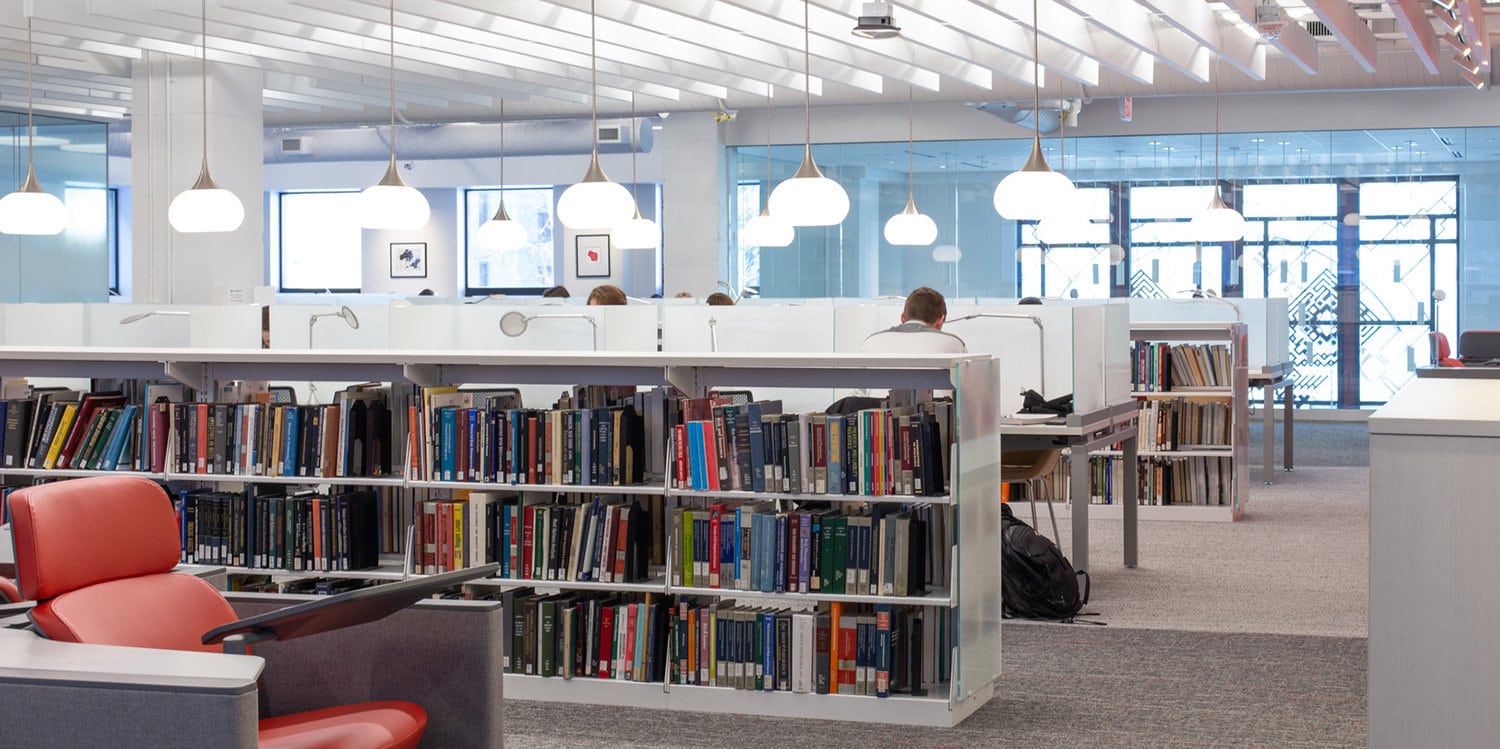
x=408, y=260
x=597, y=265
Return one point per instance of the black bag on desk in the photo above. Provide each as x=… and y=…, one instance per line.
x=1037, y=580
x=1033, y=402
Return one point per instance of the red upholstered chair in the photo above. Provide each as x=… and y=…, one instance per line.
x=9, y=593
x=1443, y=353
x=96, y=554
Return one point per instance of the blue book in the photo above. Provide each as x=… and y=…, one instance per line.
x=768, y=650
x=883, y=614
x=289, y=442
x=503, y=553
x=757, y=448
x=447, y=436
x=696, y=479
x=779, y=580
x=586, y=465
x=472, y=417
x=116, y=439
x=729, y=556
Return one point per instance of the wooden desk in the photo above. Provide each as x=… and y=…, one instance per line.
x=1269, y=379
x=1082, y=434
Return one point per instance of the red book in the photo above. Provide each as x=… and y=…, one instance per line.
x=606, y=640
x=316, y=516
x=445, y=536
x=848, y=651
x=628, y=665
x=622, y=537
x=546, y=451
x=711, y=455
x=159, y=437
x=906, y=448
x=531, y=440
x=90, y=408
x=429, y=537
x=413, y=454
x=461, y=444
x=515, y=544
x=715, y=512
x=528, y=520
x=692, y=646
x=679, y=448
x=793, y=556
x=202, y=458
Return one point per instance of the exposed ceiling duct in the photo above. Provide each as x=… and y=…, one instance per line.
x=459, y=140
x=1022, y=115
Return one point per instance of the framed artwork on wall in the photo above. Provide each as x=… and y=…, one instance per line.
x=408, y=260
x=592, y=255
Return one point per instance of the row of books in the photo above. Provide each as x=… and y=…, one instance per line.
x=302, y=532
x=606, y=539
x=1164, y=366
x=1178, y=480
x=480, y=437
x=70, y=429
x=875, y=650
x=837, y=648
x=348, y=438
x=1181, y=424
x=877, y=550
x=755, y=447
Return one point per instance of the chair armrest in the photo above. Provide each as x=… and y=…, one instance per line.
x=338, y=611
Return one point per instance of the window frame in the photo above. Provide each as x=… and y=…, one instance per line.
x=518, y=291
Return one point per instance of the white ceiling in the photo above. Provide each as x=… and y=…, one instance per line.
x=326, y=60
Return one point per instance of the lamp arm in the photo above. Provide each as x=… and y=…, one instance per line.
x=713, y=334
x=1041, y=335
x=590, y=318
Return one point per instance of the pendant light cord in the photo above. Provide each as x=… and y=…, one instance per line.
x=1036, y=75
x=502, y=150
x=1216, y=127
x=765, y=198
x=393, y=80
x=807, y=71
x=910, y=164
x=30, y=144
x=594, y=73
x=203, y=72
x=634, y=183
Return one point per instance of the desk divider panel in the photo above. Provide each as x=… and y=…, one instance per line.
x=38, y=324
x=421, y=326
x=762, y=329
x=289, y=325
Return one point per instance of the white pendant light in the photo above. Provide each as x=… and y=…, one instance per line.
x=391, y=203
x=501, y=232
x=809, y=198
x=910, y=227
x=638, y=233
x=1034, y=191
x=30, y=209
x=766, y=230
x=1071, y=224
x=205, y=207
x=1218, y=222
x=947, y=253
x=594, y=202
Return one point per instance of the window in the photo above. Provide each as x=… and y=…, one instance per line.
x=1165, y=260
x=321, y=243
x=747, y=203
x=1070, y=257
x=528, y=270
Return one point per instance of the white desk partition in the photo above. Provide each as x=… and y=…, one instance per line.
x=1086, y=350
x=1267, y=325
x=289, y=327
x=421, y=326
x=173, y=325
x=756, y=329
x=37, y=324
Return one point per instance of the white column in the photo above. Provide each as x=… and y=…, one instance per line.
x=693, y=160
x=166, y=152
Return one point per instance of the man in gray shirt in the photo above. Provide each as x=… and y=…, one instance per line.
x=921, y=328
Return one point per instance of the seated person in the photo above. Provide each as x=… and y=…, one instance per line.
x=556, y=292
x=607, y=294
x=921, y=328
x=720, y=299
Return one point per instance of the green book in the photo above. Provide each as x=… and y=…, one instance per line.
x=687, y=548
x=840, y=558
x=548, y=644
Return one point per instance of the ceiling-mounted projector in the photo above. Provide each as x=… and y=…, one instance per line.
x=876, y=22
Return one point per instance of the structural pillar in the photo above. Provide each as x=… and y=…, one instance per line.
x=693, y=158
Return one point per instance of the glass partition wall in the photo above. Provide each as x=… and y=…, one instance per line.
x=78, y=265
x=1362, y=231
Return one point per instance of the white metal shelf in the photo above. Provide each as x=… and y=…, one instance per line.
x=656, y=585
x=70, y=473
x=941, y=499
x=936, y=597
x=388, y=569
x=651, y=489
x=294, y=480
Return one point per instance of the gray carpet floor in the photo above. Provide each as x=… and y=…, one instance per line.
x=1318, y=443
x=1226, y=635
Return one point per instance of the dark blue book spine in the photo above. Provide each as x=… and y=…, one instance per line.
x=768, y=651
x=779, y=580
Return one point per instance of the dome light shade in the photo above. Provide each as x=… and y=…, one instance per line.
x=393, y=204
x=594, y=202
x=502, y=233
x=766, y=230
x=809, y=198
x=1217, y=223
x=1033, y=192
x=636, y=234
x=910, y=228
x=31, y=210
x=947, y=253
x=205, y=207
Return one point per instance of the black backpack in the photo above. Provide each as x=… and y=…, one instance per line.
x=1038, y=582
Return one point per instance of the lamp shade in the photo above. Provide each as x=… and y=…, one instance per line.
x=636, y=234
x=400, y=207
x=205, y=207
x=1217, y=223
x=947, y=253
x=1033, y=192
x=501, y=232
x=766, y=230
x=809, y=198
x=31, y=210
x=595, y=202
x=910, y=227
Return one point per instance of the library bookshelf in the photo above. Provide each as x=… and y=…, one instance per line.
x=970, y=601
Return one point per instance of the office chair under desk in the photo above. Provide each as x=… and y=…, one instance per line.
x=1031, y=468
x=1442, y=354
x=96, y=555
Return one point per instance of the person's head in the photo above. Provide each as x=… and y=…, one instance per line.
x=682, y=295
x=426, y=292
x=1029, y=300
x=556, y=292
x=720, y=299
x=607, y=294
x=925, y=305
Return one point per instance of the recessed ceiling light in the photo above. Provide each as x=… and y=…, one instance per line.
x=1257, y=140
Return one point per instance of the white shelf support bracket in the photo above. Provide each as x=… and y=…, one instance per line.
x=425, y=375
x=193, y=374
x=687, y=380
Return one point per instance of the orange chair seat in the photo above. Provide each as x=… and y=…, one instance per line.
x=391, y=725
